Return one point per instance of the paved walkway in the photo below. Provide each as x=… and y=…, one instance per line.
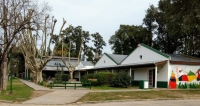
x=34, y=86
x=59, y=96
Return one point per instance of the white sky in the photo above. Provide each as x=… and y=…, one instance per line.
x=103, y=16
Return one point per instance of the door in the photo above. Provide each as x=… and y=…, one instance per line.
x=152, y=78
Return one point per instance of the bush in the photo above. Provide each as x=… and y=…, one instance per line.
x=103, y=78
x=122, y=79
x=44, y=76
x=61, y=77
x=65, y=77
x=40, y=83
x=58, y=77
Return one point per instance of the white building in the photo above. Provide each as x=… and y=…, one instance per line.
x=160, y=69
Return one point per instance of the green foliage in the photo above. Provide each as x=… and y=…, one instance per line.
x=198, y=86
x=58, y=77
x=103, y=78
x=40, y=83
x=61, y=77
x=127, y=37
x=98, y=44
x=176, y=22
x=122, y=79
x=65, y=77
x=44, y=76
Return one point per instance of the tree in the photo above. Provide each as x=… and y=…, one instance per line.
x=15, y=17
x=86, y=38
x=177, y=26
x=127, y=37
x=70, y=66
x=98, y=44
x=90, y=55
x=76, y=34
x=36, y=59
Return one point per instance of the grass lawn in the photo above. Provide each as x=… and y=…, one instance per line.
x=152, y=94
x=21, y=92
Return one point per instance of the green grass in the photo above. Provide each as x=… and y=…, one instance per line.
x=110, y=88
x=152, y=94
x=20, y=92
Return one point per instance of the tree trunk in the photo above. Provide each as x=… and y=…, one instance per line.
x=5, y=71
x=71, y=75
x=39, y=76
x=1, y=81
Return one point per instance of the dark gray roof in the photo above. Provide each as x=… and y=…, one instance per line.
x=185, y=58
x=117, y=58
x=59, y=61
x=87, y=63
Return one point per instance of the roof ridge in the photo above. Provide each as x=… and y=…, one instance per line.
x=157, y=51
x=110, y=58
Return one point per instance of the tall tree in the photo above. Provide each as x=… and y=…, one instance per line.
x=15, y=17
x=127, y=37
x=90, y=55
x=36, y=59
x=98, y=44
x=86, y=39
x=71, y=68
x=177, y=26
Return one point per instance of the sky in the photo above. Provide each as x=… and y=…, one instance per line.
x=103, y=16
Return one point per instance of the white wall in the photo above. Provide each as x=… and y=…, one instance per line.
x=141, y=73
x=105, y=61
x=147, y=56
x=162, y=74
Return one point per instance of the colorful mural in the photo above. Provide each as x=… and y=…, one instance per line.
x=198, y=75
x=172, y=82
x=183, y=79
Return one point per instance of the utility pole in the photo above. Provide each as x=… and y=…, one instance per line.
x=11, y=72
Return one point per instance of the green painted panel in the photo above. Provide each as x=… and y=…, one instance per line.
x=135, y=83
x=162, y=84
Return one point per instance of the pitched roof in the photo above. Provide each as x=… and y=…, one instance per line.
x=161, y=53
x=184, y=58
x=148, y=47
x=116, y=57
x=87, y=63
x=59, y=61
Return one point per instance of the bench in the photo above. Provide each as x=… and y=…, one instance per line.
x=70, y=84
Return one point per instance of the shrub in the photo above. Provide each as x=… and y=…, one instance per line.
x=65, y=77
x=87, y=76
x=121, y=79
x=58, y=77
x=40, y=83
x=103, y=78
x=44, y=76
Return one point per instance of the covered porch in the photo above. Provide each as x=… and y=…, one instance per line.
x=156, y=73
